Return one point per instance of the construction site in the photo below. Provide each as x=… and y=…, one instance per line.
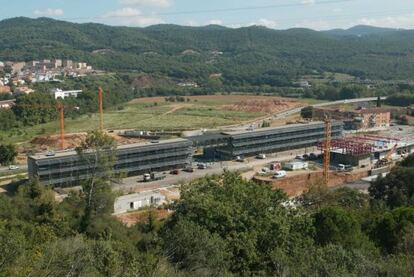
x=291, y=157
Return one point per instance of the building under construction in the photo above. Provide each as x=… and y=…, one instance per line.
x=367, y=150
x=67, y=168
x=229, y=145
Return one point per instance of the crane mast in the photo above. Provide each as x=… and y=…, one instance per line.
x=327, y=149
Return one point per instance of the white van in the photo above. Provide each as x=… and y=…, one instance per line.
x=279, y=174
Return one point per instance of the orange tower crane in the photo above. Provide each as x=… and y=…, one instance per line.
x=327, y=149
x=61, y=109
x=101, y=123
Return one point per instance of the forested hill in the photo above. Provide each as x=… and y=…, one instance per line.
x=254, y=55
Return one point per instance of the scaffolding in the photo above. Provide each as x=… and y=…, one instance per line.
x=349, y=146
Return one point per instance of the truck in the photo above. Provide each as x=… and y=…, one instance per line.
x=344, y=167
x=153, y=176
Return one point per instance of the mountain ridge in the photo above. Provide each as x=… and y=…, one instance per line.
x=255, y=54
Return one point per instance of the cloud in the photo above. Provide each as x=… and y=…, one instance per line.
x=215, y=22
x=150, y=3
x=266, y=22
x=48, y=12
x=315, y=24
x=399, y=21
x=130, y=17
x=125, y=12
x=308, y=2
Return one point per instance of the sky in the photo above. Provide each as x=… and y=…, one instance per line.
x=277, y=14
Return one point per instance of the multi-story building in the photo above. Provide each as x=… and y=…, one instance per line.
x=374, y=118
x=68, y=64
x=67, y=168
x=363, y=118
x=275, y=139
x=58, y=93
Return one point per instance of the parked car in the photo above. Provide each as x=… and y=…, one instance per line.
x=313, y=156
x=279, y=174
x=188, y=169
x=305, y=157
x=175, y=172
x=13, y=167
x=265, y=170
x=299, y=158
x=240, y=159
x=201, y=166
x=261, y=156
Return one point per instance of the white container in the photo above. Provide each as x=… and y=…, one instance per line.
x=296, y=165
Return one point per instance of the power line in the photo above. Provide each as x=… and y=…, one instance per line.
x=332, y=18
x=298, y=4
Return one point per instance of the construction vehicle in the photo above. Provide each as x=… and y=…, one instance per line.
x=387, y=160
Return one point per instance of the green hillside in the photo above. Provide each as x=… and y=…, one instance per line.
x=251, y=55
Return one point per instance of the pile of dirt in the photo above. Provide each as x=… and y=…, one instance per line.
x=44, y=143
x=298, y=184
x=268, y=106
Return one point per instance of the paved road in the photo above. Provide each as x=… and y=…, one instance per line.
x=285, y=114
x=297, y=110
x=250, y=166
x=5, y=169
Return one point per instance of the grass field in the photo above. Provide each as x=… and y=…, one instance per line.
x=154, y=114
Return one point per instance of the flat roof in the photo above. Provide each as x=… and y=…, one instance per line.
x=68, y=153
x=289, y=126
x=138, y=196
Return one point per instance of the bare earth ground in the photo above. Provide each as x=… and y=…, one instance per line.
x=132, y=218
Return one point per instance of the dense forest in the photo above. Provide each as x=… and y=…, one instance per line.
x=222, y=226
x=253, y=56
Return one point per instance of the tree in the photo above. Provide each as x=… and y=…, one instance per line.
x=248, y=216
x=98, y=152
x=7, y=120
x=337, y=226
x=307, y=112
x=195, y=249
x=379, y=102
x=393, y=228
x=8, y=153
x=396, y=189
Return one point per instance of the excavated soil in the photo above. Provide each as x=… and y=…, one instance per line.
x=269, y=106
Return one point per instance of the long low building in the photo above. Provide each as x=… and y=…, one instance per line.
x=275, y=139
x=67, y=168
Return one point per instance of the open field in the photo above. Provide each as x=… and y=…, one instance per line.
x=156, y=113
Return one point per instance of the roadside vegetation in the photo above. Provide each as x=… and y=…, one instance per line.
x=221, y=226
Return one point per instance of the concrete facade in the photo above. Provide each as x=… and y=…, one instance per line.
x=67, y=168
x=276, y=139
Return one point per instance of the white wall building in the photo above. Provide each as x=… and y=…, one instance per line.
x=136, y=201
x=58, y=93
